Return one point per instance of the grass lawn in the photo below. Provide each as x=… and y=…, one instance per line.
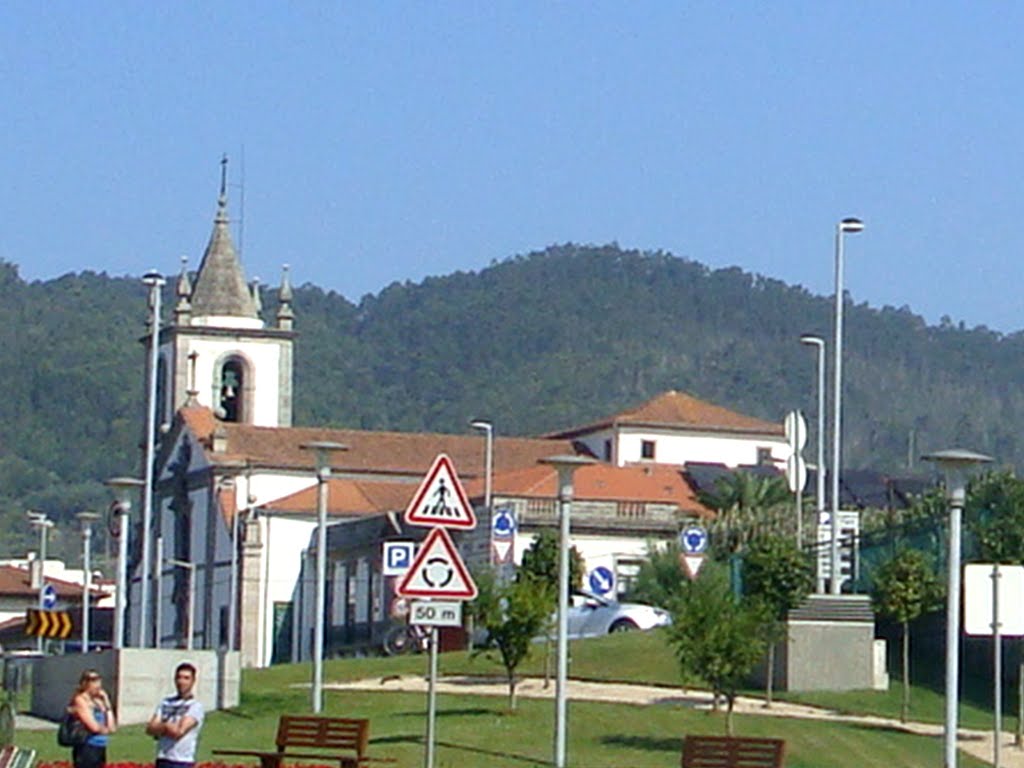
x=478, y=731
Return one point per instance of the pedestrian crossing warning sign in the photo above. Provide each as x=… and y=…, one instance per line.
x=440, y=499
x=437, y=571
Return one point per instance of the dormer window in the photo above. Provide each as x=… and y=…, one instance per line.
x=647, y=450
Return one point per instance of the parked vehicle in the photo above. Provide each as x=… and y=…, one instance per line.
x=591, y=615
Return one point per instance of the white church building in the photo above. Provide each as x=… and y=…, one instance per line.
x=234, y=491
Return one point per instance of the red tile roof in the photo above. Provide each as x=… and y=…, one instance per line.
x=600, y=482
x=14, y=582
x=350, y=498
x=381, y=454
x=676, y=410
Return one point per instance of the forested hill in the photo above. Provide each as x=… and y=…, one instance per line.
x=534, y=343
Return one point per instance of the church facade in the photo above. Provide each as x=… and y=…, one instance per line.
x=233, y=516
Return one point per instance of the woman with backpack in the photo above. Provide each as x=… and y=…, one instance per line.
x=90, y=705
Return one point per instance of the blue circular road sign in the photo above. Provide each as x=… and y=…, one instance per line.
x=503, y=524
x=601, y=580
x=49, y=597
x=693, y=540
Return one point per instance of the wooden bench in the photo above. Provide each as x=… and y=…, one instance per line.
x=732, y=752
x=325, y=739
x=16, y=757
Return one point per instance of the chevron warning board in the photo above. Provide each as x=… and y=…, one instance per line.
x=40, y=623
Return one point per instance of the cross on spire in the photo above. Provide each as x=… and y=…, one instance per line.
x=224, y=176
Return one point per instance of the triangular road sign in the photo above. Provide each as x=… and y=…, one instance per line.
x=691, y=564
x=440, y=499
x=437, y=571
x=502, y=549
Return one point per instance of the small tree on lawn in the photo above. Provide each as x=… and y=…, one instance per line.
x=717, y=636
x=906, y=587
x=512, y=614
x=778, y=574
x=541, y=561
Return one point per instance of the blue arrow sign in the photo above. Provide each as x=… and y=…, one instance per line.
x=49, y=597
x=602, y=580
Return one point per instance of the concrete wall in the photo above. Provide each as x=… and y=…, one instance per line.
x=136, y=679
x=829, y=656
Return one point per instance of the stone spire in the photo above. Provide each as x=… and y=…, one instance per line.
x=220, y=288
x=257, y=300
x=285, y=315
x=183, y=290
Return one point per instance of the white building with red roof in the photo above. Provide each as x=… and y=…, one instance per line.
x=234, y=495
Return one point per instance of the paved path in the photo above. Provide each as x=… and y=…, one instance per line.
x=975, y=743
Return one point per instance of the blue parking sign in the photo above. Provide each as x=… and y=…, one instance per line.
x=398, y=556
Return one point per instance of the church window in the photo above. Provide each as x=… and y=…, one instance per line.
x=231, y=396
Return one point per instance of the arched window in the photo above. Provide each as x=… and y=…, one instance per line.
x=232, y=390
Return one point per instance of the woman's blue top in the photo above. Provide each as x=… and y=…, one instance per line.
x=98, y=739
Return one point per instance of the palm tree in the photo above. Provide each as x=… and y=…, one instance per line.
x=748, y=506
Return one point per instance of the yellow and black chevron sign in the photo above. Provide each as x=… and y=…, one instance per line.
x=40, y=623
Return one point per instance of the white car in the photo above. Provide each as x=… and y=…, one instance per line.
x=591, y=615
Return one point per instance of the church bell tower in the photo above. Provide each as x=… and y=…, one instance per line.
x=217, y=351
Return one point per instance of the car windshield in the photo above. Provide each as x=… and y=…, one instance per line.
x=591, y=597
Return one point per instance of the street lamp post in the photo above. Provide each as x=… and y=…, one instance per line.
x=955, y=464
x=819, y=475
x=44, y=524
x=488, y=429
x=155, y=281
x=322, y=450
x=123, y=488
x=86, y=519
x=565, y=466
x=846, y=226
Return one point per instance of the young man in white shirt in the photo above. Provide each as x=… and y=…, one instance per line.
x=177, y=721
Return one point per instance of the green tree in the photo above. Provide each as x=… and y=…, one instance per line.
x=906, y=588
x=512, y=614
x=745, y=503
x=540, y=560
x=780, y=575
x=717, y=636
x=995, y=516
x=660, y=579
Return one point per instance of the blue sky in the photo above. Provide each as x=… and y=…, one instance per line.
x=388, y=141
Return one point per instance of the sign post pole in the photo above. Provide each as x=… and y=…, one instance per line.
x=997, y=668
x=432, y=699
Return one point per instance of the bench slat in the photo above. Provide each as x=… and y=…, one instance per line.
x=732, y=752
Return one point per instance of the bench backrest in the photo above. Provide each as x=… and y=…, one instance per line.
x=331, y=733
x=16, y=757
x=732, y=752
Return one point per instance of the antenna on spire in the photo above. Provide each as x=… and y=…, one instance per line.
x=224, y=176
